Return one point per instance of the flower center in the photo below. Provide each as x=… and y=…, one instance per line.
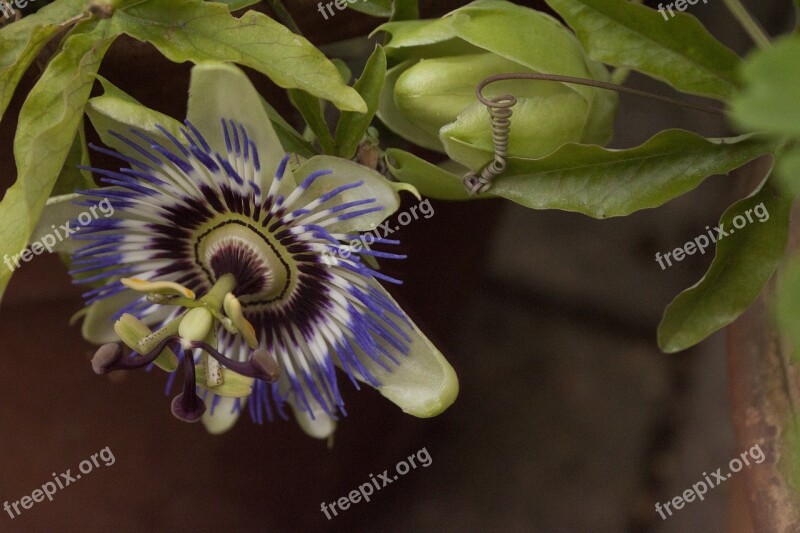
x=254, y=259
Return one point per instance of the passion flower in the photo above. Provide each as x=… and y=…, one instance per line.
x=223, y=266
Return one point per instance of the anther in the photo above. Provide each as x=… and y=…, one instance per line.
x=106, y=357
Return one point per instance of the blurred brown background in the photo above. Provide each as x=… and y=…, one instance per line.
x=569, y=418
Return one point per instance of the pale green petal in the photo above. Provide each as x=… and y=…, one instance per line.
x=224, y=417
x=344, y=172
x=98, y=326
x=424, y=385
x=221, y=91
x=119, y=112
x=57, y=211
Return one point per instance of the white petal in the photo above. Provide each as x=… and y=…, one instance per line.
x=424, y=384
x=222, y=91
x=224, y=417
x=345, y=172
x=321, y=426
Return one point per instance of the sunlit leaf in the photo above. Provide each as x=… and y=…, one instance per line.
x=235, y=5
x=192, y=30
x=47, y=124
x=22, y=41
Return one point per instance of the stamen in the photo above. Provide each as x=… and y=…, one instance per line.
x=109, y=357
x=261, y=365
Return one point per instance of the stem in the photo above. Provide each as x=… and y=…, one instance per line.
x=75, y=19
x=284, y=16
x=750, y=25
x=587, y=82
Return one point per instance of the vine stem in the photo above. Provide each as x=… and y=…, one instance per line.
x=587, y=82
x=750, y=25
x=284, y=16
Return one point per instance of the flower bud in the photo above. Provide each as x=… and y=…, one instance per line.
x=429, y=98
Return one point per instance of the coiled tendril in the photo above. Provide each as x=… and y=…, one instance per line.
x=500, y=116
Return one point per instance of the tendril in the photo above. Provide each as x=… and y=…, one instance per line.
x=500, y=112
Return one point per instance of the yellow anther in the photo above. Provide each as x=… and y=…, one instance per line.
x=158, y=287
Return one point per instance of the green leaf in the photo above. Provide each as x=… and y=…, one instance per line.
x=743, y=264
x=770, y=99
x=787, y=168
x=289, y=138
x=192, y=30
x=47, y=124
x=312, y=110
x=405, y=10
x=71, y=177
x=344, y=70
x=429, y=179
x=352, y=126
x=235, y=5
x=679, y=51
x=22, y=41
x=376, y=8
x=788, y=304
x=606, y=183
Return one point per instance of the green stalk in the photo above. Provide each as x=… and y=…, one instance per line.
x=750, y=25
x=284, y=16
x=225, y=284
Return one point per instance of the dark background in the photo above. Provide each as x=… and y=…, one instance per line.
x=569, y=418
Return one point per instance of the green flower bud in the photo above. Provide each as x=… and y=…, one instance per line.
x=429, y=98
